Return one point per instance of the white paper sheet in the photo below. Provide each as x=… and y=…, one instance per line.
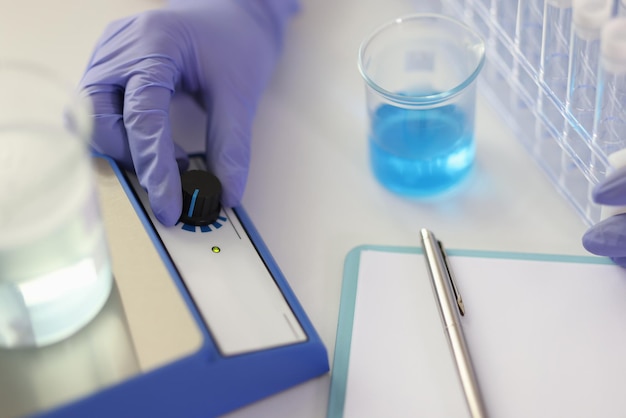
x=400, y=363
x=548, y=339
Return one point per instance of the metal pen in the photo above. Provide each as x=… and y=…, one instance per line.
x=450, y=305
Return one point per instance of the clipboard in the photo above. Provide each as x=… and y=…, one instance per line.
x=547, y=335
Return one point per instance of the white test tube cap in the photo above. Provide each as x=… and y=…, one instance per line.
x=613, y=46
x=589, y=16
x=617, y=160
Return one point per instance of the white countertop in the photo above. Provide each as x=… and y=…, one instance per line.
x=311, y=193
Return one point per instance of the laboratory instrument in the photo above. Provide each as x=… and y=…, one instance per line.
x=528, y=92
x=233, y=330
x=420, y=75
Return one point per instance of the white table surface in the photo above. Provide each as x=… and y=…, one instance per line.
x=310, y=193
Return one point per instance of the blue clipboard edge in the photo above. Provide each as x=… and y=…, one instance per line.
x=206, y=383
x=341, y=357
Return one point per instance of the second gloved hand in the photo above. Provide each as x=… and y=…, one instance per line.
x=608, y=237
x=222, y=52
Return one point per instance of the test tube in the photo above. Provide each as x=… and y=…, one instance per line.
x=506, y=11
x=529, y=30
x=609, y=127
x=588, y=17
x=553, y=67
x=555, y=46
x=503, y=19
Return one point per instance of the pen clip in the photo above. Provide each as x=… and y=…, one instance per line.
x=455, y=289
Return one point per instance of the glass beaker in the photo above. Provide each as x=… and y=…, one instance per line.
x=420, y=73
x=55, y=271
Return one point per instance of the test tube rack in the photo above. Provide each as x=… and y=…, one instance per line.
x=511, y=82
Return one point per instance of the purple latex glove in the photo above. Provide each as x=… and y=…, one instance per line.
x=221, y=52
x=608, y=237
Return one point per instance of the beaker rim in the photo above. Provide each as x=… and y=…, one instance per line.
x=426, y=99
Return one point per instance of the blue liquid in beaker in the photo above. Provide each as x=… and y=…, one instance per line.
x=421, y=152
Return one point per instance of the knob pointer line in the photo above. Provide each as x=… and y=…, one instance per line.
x=192, y=205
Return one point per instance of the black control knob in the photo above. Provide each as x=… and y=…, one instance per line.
x=201, y=197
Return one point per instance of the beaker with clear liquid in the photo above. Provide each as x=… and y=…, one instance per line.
x=55, y=270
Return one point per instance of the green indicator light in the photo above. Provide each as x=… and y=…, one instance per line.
x=216, y=249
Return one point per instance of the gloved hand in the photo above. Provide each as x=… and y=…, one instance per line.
x=221, y=52
x=608, y=237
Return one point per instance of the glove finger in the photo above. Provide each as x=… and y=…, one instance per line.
x=109, y=133
x=612, y=190
x=228, y=145
x=608, y=237
x=146, y=117
x=182, y=158
x=620, y=261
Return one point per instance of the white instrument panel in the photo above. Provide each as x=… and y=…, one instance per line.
x=235, y=293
